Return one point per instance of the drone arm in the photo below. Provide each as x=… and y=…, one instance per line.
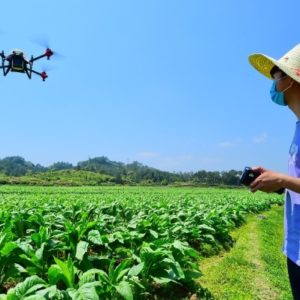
x=47, y=54
x=38, y=57
x=42, y=74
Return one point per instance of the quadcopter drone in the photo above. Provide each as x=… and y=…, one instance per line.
x=16, y=62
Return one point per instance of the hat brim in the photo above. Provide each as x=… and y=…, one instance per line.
x=264, y=64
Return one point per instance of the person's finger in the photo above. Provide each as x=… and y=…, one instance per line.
x=259, y=169
x=258, y=187
x=256, y=184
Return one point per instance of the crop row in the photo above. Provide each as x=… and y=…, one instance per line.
x=114, y=243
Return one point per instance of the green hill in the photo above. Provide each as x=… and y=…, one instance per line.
x=101, y=171
x=63, y=177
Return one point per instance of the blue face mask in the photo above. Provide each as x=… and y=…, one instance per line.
x=277, y=97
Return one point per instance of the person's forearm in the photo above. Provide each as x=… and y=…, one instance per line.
x=291, y=183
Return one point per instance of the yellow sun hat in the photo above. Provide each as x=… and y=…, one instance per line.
x=289, y=63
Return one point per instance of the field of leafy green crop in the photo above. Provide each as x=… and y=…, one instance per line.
x=114, y=242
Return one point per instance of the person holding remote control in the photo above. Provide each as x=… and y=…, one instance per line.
x=285, y=91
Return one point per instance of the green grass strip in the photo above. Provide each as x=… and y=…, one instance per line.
x=271, y=237
x=255, y=268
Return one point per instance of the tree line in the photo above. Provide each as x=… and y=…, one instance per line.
x=131, y=173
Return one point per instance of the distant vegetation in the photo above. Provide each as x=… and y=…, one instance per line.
x=102, y=171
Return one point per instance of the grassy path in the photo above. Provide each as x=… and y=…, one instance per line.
x=255, y=268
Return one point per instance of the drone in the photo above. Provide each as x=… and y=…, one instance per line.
x=17, y=62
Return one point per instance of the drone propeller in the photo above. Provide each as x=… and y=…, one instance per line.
x=43, y=41
x=49, y=53
x=44, y=75
x=46, y=69
x=40, y=40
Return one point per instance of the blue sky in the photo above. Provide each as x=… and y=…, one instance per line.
x=166, y=83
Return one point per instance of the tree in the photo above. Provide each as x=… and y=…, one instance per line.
x=61, y=166
x=118, y=179
x=15, y=166
x=231, y=177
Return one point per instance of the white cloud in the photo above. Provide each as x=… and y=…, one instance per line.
x=259, y=139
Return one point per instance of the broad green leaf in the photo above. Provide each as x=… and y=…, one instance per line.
x=210, y=238
x=68, y=271
x=8, y=248
x=55, y=274
x=117, y=274
x=169, y=261
x=81, y=249
x=193, y=274
x=121, y=274
x=124, y=289
x=88, y=276
x=135, y=281
x=95, y=237
x=178, y=270
x=26, y=247
x=30, y=285
x=35, y=297
x=179, y=246
x=3, y=239
x=103, y=277
x=136, y=270
x=191, y=252
x=36, y=237
x=40, y=252
x=153, y=233
x=50, y=292
x=85, y=292
x=207, y=228
x=20, y=268
x=35, y=288
x=132, y=225
x=162, y=280
x=177, y=228
x=11, y=295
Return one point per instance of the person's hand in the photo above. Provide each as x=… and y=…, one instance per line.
x=268, y=181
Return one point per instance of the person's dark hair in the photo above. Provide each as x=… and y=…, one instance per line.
x=276, y=69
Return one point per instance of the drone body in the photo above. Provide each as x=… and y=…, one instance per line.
x=16, y=62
